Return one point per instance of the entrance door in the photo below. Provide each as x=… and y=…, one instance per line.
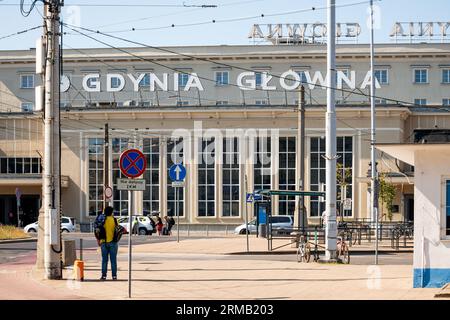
x=29, y=209
x=8, y=210
x=409, y=207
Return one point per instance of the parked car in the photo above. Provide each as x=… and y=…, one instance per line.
x=280, y=224
x=67, y=225
x=144, y=227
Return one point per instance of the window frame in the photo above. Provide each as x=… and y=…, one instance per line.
x=33, y=84
x=446, y=104
x=427, y=75
x=448, y=76
x=183, y=79
x=150, y=151
x=230, y=168
x=171, y=151
x=31, y=104
x=420, y=103
x=387, y=76
x=220, y=82
x=208, y=169
x=288, y=170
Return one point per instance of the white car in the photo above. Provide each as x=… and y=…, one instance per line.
x=67, y=225
x=280, y=224
x=144, y=227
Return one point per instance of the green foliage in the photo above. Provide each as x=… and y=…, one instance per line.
x=387, y=194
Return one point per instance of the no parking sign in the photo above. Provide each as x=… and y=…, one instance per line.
x=132, y=163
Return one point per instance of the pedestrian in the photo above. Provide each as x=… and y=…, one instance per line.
x=106, y=240
x=170, y=222
x=11, y=218
x=159, y=225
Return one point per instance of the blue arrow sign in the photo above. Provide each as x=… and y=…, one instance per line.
x=177, y=172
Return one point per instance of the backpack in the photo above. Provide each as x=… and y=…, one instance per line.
x=118, y=232
x=99, y=227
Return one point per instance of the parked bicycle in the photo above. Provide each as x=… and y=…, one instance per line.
x=403, y=229
x=342, y=250
x=304, y=250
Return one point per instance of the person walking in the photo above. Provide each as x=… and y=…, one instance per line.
x=159, y=225
x=107, y=244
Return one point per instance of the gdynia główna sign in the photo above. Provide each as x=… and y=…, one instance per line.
x=289, y=80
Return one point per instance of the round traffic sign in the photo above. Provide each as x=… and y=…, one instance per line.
x=177, y=172
x=132, y=163
x=108, y=192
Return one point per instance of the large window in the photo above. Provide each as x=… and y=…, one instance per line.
x=317, y=173
x=95, y=172
x=175, y=154
x=286, y=181
x=151, y=175
x=344, y=176
x=206, y=178
x=382, y=76
x=20, y=165
x=420, y=75
x=120, y=200
x=26, y=81
x=230, y=171
x=222, y=78
x=262, y=164
x=447, y=208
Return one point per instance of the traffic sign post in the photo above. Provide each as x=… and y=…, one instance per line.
x=132, y=164
x=177, y=174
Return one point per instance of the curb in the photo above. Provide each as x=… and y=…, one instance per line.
x=295, y=251
x=18, y=240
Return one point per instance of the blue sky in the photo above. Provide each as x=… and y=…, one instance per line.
x=126, y=18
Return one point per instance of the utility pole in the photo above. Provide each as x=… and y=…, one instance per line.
x=301, y=144
x=49, y=216
x=330, y=136
x=106, y=166
x=373, y=182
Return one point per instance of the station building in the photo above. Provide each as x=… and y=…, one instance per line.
x=235, y=128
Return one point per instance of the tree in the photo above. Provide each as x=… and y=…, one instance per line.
x=387, y=194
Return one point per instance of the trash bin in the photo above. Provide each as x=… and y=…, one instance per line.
x=262, y=230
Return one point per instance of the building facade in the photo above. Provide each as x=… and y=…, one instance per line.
x=229, y=114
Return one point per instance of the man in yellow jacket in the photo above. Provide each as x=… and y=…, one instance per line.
x=108, y=246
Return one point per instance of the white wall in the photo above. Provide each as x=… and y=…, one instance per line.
x=430, y=250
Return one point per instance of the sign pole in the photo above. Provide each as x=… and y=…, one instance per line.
x=178, y=214
x=130, y=231
x=132, y=164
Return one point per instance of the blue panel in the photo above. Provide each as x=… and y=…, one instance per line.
x=432, y=278
x=262, y=215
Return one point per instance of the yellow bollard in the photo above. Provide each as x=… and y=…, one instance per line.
x=78, y=269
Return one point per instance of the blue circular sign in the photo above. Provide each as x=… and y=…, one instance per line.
x=132, y=163
x=177, y=172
